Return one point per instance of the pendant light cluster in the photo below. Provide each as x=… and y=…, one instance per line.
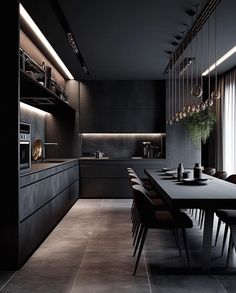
x=185, y=80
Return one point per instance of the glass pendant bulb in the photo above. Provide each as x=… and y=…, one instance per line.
x=180, y=115
x=210, y=102
x=193, y=108
x=197, y=109
x=189, y=109
x=203, y=106
x=215, y=95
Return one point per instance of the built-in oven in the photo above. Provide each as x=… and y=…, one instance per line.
x=25, y=147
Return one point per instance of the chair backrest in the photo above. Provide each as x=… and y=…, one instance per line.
x=135, y=181
x=220, y=174
x=231, y=178
x=145, y=207
x=209, y=171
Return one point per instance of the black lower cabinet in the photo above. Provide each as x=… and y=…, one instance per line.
x=109, y=178
x=45, y=197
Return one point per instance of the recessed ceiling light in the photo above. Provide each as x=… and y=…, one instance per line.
x=219, y=61
x=39, y=34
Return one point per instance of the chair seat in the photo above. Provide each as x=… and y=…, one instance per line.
x=227, y=216
x=165, y=220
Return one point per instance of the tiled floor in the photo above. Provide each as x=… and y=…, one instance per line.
x=90, y=251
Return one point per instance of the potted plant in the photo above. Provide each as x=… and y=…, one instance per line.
x=200, y=125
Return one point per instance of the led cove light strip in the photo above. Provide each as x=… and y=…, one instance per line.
x=219, y=61
x=33, y=109
x=122, y=134
x=31, y=23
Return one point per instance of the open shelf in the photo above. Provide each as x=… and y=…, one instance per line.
x=37, y=95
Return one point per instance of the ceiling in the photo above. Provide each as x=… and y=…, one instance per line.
x=128, y=39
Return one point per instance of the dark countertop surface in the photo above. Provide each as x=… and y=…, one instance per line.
x=120, y=159
x=49, y=163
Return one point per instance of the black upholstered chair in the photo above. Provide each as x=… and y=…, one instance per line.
x=152, y=219
x=209, y=171
x=229, y=218
x=220, y=175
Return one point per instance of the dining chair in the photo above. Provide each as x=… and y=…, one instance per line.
x=220, y=175
x=152, y=219
x=209, y=171
x=229, y=218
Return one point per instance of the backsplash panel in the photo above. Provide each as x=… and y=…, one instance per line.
x=121, y=146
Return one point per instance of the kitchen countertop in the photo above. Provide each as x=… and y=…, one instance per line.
x=49, y=163
x=119, y=159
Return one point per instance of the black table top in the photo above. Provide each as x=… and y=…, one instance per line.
x=216, y=194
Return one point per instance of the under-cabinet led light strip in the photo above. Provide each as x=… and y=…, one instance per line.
x=219, y=61
x=122, y=134
x=34, y=27
x=33, y=109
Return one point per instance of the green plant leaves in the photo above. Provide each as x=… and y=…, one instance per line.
x=200, y=125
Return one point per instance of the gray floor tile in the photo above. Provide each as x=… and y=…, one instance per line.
x=110, y=272
x=46, y=273
x=186, y=284
x=229, y=282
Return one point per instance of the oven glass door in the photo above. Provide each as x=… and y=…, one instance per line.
x=24, y=154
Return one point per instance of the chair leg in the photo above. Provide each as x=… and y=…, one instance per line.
x=224, y=239
x=176, y=233
x=199, y=217
x=140, y=249
x=136, y=233
x=202, y=218
x=217, y=231
x=229, y=249
x=136, y=221
x=138, y=240
x=186, y=247
x=195, y=214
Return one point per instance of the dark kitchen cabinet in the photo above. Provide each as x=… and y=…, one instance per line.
x=108, y=178
x=45, y=197
x=122, y=107
x=38, y=89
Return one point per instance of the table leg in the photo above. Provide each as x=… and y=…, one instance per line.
x=207, y=239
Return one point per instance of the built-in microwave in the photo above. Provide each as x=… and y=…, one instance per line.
x=25, y=147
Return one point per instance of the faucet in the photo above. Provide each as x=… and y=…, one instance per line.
x=44, y=149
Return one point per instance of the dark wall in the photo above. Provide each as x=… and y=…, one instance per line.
x=36, y=120
x=180, y=148
x=63, y=127
x=122, y=106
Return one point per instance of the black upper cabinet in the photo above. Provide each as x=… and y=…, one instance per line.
x=122, y=106
x=38, y=89
x=37, y=95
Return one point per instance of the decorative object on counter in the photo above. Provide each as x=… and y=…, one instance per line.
x=37, y=148
x=180, y=171
x=200, y=125
x=98, y=155
x=197, y=171
x=146, y=149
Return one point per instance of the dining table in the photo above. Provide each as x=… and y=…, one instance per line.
x=208, y=195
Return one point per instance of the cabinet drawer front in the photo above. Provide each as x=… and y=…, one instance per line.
x=34, y=196
x=104, y=188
